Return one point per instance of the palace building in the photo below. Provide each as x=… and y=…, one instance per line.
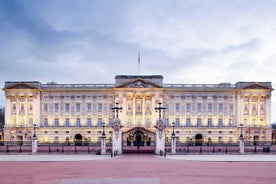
x=201, y=113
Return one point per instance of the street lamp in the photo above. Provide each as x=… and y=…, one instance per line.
x=241, y=136
x=103, y=134
x=173, y=134
x=159, y=109
x=34, y=125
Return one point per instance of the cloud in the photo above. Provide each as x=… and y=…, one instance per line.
x=188, y=41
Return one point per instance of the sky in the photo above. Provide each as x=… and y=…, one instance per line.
x=91, y=41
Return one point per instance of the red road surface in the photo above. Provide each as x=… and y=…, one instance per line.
x=140, y=166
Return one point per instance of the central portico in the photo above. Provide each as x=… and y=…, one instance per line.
x=139, y=95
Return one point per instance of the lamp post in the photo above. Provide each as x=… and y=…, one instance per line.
x=103, y=134
x=117, y=109
x=117, y=132
x=159, y=109
x=160, y=132
x=241, y=141
x=173, y=146
x=34, y=140
x=103, y=144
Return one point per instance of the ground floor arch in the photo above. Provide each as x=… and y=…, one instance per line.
x=198, y=139
x=78, y=139
x=138, y=138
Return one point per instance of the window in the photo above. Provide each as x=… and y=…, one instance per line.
x=100, y=107
x=188, y=107
x=198, y=122
x=220, y=122
x=67, y=107
x=88, y=122
x=89, y=107
x=67, y=122
x=148, y=122
x=210, y=123
x=100, y=122
x=45, y=107
x=166, y=122
x=210, y=107
x=46, y=122
x=199, y=107
x=188, y=121
x=14, y=106
x=30, y=107
x=56, y=107
x=177, y=107
x=56, y=122
x=78, y=123
x=177, y=122
x=110, y=121
x=231, y=108
x=129, y=121
x=78, y=107
x=220, y=107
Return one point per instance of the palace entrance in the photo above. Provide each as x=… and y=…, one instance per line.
x=138, y=140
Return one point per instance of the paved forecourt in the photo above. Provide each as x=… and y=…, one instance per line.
x=135, y=169
x=82, y=157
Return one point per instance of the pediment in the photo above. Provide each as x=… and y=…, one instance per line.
x=20, y=85
x=139, y=83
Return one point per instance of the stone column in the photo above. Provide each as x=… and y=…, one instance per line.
x=34, y=145
x=173, y=145
x=117, y=137
x=160, y=138
x=241, y=145
x=103, y=145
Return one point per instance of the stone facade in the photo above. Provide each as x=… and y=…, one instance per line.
x=72, y=113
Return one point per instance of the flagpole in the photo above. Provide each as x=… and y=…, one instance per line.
x=139, y=62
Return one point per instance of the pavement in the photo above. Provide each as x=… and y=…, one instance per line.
x=136, y=169
x=84, y=157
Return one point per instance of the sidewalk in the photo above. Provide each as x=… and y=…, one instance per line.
x=225, y=158
x=51, y=158
x=70, y=158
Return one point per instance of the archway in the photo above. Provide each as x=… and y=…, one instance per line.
x=198, y=140
x=138, y=140
x=78, y=139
